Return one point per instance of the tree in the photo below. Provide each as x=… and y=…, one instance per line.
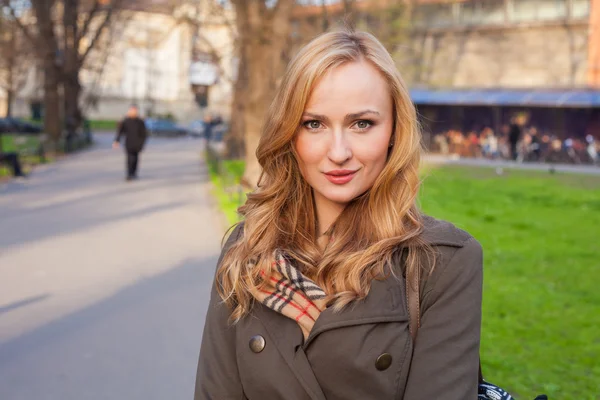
x=204, y=16
x=15, y=56
x=41, y=24
x=76, y=30
x=263, y=32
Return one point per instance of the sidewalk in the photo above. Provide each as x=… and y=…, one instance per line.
x=104, y=283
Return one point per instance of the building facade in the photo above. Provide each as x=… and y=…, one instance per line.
x=481, y=43
x=170, y=63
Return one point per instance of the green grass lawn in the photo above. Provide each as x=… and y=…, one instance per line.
x=226, y=178
x=541, y=240
x=103, y=125
x=95, y=124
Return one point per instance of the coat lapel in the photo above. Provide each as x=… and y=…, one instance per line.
x=384, y=303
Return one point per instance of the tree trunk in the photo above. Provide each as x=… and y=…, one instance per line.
x=264, y=33
x=235, y=138
x=52, y=115
x=10, y=54
x=48, y=56
x=10, y=95
x=71, y=64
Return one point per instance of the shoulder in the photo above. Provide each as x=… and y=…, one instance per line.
x=233, y=235
x=458, y=255
x=437, y=232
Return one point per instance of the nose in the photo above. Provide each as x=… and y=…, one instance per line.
x=339, y=149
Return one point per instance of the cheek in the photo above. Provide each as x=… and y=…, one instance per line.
x=375, y=153
x=307, y=151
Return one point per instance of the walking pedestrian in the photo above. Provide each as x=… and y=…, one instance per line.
x=133, y=129
x=309, y=298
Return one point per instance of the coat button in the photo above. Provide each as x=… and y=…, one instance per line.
x=383, y=362
x=257, y=343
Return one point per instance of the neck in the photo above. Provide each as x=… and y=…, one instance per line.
x=327, y=213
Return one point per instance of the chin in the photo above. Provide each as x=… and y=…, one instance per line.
x=340, y=195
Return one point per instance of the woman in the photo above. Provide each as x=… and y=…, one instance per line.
x=309, y=300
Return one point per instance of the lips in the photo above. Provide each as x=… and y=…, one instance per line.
x=340, y=176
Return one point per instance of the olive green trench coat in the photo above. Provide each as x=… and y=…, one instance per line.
x=363, y=352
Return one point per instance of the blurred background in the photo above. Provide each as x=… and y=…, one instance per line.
x=104, y=284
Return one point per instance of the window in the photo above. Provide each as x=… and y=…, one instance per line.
x=435, y=15
x=538, y=10
x=483, y=12
x=580, y=8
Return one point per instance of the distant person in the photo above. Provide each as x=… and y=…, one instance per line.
x=134, y=130
x=535, y=148
x=568, y=147
x=591, y=148
x=11, y=159
x=219, y=127
x=490, y=143
x=441, y=142
x=514, y=135
x=208, y=126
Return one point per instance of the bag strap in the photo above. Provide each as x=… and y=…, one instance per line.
x=414, y=303
x=414, y=308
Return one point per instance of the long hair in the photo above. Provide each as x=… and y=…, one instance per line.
x=280, y=213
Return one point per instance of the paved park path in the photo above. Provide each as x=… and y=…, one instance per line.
x=103, y=283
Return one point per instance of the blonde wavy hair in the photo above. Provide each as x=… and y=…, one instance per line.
x=280, y=213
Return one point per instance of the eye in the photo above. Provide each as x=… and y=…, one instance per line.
x=363, y=124
x=312, y=124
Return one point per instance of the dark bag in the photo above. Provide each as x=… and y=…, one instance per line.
x=486, y=390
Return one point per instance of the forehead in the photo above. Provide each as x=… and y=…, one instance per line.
x=350, y=87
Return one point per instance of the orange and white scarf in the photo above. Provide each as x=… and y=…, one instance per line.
x=289, y=292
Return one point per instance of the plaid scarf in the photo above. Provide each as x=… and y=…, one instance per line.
x=289, y=292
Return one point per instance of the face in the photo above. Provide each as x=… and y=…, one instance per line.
x=132, y=112
x=343, y=140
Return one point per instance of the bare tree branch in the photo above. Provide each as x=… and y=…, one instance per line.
x=99, y=31
x=325, y=18
x=86, y=25
x=22, y=27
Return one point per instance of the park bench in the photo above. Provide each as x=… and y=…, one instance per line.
x=30, y=147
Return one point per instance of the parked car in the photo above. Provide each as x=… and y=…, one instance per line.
x=17, y=125
x=164, y=127
x=197, y=129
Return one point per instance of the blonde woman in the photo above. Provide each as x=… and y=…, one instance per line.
x=309, y=299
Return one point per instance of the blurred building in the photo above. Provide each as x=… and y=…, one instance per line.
x=483, y=62
x=476, y=63
x=171, y=58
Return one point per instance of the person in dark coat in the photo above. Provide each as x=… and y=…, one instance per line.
x=134, y=130
x=309, y=300
x=11, y=159
x=514, y=135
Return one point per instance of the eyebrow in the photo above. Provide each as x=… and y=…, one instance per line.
x=348, y=117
